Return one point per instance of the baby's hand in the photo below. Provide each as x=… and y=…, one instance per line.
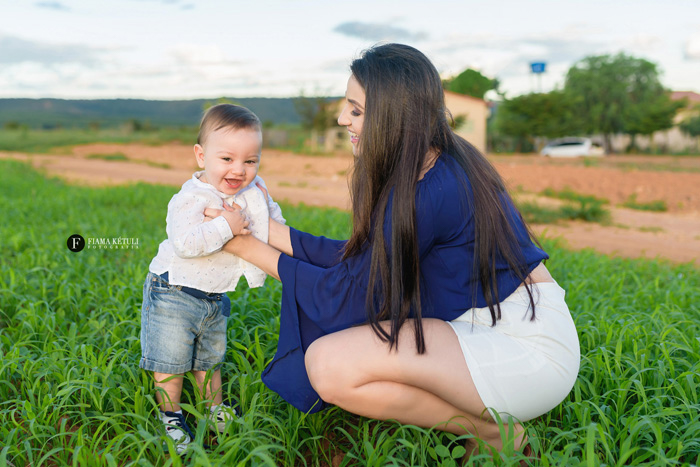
x=237, y=221
x=235, y=217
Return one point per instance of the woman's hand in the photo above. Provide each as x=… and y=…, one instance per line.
x=264, y=190
x=237, y=220
x=265, y=256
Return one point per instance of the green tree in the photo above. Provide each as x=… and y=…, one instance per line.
x=620, y=94
x=471, y=83
x=691, y=126
x=12, y=125
x=550, y=115
x=657, y=115
x=458, y=121
x=316, y=113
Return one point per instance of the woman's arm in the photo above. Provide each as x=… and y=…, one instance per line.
x=320, y=251
x=280, y=237
x=254, y=251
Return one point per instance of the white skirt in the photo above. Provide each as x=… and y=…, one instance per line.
x=521, y=368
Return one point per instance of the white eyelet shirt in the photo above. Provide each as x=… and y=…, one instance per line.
x=192, y=253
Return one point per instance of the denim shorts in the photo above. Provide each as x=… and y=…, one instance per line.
x=179, y=332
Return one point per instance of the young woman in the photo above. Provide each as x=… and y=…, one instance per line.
x=438, y=310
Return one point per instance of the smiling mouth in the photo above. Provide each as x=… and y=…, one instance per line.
x=354, y=137
x=232, y=183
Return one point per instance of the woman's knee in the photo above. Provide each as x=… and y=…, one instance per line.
x=324, y=368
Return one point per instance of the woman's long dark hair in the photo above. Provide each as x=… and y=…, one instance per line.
x=406, y=118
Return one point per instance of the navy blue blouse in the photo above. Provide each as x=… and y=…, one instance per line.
x=322, y=294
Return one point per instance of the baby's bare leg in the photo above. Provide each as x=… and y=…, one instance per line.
x=209, y=388
x=168, y=391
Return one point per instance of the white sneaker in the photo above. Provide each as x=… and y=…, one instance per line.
x=176, y=428
x=223, y=413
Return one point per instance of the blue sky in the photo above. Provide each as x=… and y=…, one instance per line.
x=181, y=49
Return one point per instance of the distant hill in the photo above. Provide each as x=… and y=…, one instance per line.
x=50, y=113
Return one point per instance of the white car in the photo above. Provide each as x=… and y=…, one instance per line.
x=572, y=147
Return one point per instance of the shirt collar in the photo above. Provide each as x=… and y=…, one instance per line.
x=202, y=185
x=206, y=186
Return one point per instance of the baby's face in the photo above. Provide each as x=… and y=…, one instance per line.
x=230, y=158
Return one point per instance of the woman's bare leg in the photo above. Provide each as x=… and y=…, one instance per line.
x=355, y=370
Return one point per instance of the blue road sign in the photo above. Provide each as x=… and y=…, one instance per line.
x=538, y=67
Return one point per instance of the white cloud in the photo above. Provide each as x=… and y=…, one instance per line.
x=509, y=56
x=378, y=31
x=117, y=49
x=52, y=6
x=199, y=55
x=18, y=50
x=692, y=47
x=641, y=43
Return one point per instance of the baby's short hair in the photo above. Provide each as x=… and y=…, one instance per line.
x=230, y=116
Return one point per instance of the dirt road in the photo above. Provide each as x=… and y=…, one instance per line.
x=322, y=181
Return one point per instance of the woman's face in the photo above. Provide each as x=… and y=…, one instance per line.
x=353, y=114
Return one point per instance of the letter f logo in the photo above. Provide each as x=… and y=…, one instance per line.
x=75, y=243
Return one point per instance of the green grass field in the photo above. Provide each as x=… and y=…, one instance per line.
x=61, y=140
x=71, y=392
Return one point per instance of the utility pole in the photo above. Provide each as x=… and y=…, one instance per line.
x=537, y=69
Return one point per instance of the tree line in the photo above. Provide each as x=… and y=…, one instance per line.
x=604, y=95
x=51, y=113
